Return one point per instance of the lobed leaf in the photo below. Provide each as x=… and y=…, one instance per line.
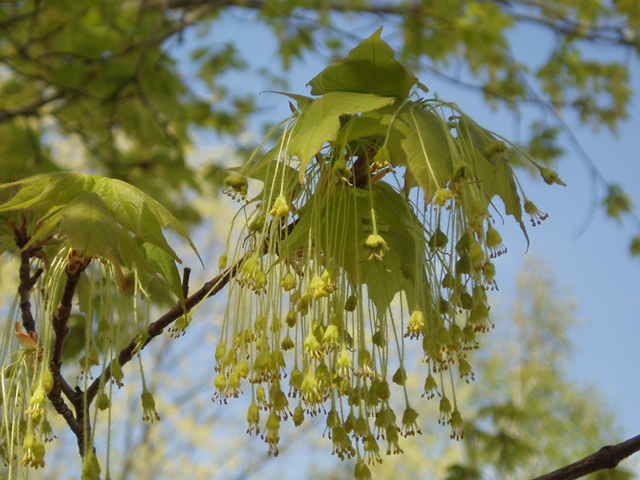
x=370, y=68
x=495, y=175
x=89, y=226
x=165, y=264
x=420, y=141
x=320, y=122
x=112, y=202
x=132, y=254
x=138, y=212
x=47, y=190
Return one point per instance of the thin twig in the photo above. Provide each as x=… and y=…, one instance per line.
x=568, y=26
x=27, y=281
x=185, y=282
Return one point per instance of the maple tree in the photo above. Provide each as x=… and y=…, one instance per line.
x=375, y=227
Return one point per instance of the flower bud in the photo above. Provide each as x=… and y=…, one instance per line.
x=550, y=177
x=298, y=416
x=102, y=401
x=288, y=283
x=236, y=185
x=400, y=377
x=148, y=406
x=351, y=303
x=457, y=425
x=291, y=318
x=280, y=207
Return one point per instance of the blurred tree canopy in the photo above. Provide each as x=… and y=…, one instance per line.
x=102, y=73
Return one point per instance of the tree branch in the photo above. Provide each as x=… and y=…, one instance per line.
x=605, y=458
x=30, y=107
x=26, y=280
x=60, y=328
x=563, y=24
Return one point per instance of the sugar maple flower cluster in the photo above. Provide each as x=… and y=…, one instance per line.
x=102, y=226
x=336, y=239
x=341, y=264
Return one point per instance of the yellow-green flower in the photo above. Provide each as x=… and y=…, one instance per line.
x=288, y=283
x=493, y=241
x=393, y=446
x=312, y=347
x=342, y=445
x=445, y=410
x=253, y=418
x=272, y=435
x=149, y=413
x=375, y=245
x=280, y=207
x=33, y=452
x=236, y=185
x=537, y=216
x=442, y=196
x=416, y=324
x=330, y=337
x=371, y=451
x=409, y=423
x=457, y=425
x=430, y=387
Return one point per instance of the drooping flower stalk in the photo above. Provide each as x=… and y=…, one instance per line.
x=374, y=205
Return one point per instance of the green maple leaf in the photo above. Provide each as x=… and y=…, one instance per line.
x=370, y=68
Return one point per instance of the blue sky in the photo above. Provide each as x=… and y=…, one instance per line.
x=593, y=262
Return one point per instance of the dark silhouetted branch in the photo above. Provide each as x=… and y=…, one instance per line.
x=60, y=329
x=607, y=457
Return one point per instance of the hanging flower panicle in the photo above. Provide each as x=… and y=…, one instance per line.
x=326, y=318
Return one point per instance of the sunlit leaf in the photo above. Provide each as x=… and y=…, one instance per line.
x=134, y=210
x=320, y=122
x=303, y=100
x=165, y=264
x=419, y=139
x=139, y=213
x=47, y=190
x=133, y=255
x=370, y=68
x=494, y=174
x=89, y=226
